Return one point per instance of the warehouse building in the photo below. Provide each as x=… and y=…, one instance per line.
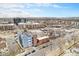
x=7, y=27
x=31, y=25
x=39, y=37
x=40, y=40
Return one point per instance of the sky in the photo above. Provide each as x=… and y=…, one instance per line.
x=39, y=9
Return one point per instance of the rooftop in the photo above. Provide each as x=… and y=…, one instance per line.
x=40, y=38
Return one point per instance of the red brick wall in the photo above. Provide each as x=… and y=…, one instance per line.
x=39, y=42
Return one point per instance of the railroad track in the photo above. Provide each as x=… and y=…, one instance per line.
x=68, y=48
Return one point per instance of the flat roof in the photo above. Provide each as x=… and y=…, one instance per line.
x=6, y=24
x=30, y=23
x=41, y=38
x=35, y=30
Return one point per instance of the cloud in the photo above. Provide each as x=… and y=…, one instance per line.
x=24, y=10
x=15, y=14
x=38, y=5
x=43, y=5
x=56, y=6
x=7, y=6
x=18, y=10
x=13, y=10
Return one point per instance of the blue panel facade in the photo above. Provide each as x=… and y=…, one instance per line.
x=25, y=39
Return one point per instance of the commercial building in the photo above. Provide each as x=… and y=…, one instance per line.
x=39, y=37
x=40, y=40
x=5, y=27
x=31, y=25
x=25, y=39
